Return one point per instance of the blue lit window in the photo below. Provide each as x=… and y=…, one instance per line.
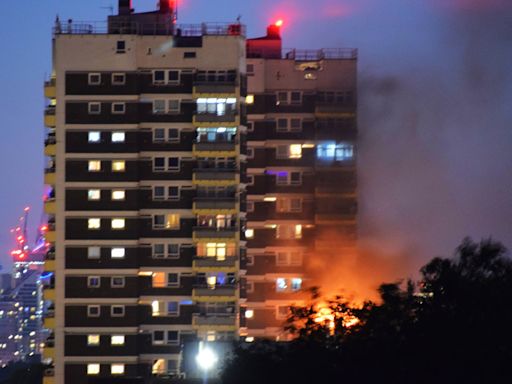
x=333, y=151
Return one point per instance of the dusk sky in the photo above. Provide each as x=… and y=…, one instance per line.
x=435, y=158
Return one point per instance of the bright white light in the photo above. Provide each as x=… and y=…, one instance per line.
x=206, y=358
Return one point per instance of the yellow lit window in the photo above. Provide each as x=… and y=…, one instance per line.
x=249, y=314
x=118, y=223
x=118, y=195
x=158, y=367
x=249, y=99
x=298, y=231
x=94, y=223
x=295, y=151
x=211, y=281
x=93, y=369
x=94, y=165
x=94, y=194
x=93, y=340
x=118, y=166
x=249, y=233
x=172, y=221
x=159, y=280
x=117, y=340
x=117, y=369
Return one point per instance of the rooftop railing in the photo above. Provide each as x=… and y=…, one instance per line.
x=139, y=28
x=310, y=54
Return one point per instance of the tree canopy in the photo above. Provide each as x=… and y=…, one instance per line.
x=453, y=326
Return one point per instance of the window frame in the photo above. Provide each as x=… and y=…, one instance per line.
x=92, y=256
x=117, y=306
x=118, y=104
x=122, y=280
x=91, y=279
x=91, y=105
x=113, y=76
x=91, y=75
x=90, y=309
x=120, y=133
x=121, y=170
x=90, y=138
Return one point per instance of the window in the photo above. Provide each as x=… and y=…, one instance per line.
x=118, y=79
x=288, y=285
x=250, y=126
x=94, y=165
x=158, y=135
x=117, y=282
x=118, y=166
x=118, y=194
x=173, y=250
x=289, y=205
x=117, y=369
x=118, y=223
x=282, y=98
x=94, y=108
x=173, y=134
x=169, y=221
x=249, y=233
x=94, y=137
x=333, y=151
x=296, y=284
x=289, y=258
x=161, y=77
x=94, y=79
x=158, y=251
x=295, y=178
x=93, y=252
x=93, y=369
x=158, y=193
x=250, y=179
x=189, y=55
x=118, y=108
x=250, y=206
x=286, y=231
x=161, y=106
x=118, y=137
x=173, y=163
x=287, y=178
x=121, y=46
x=94, y=223
x=250, y=153
x=158, y=280
x=293, y=97
x=249, y=99
x=173, y=337
x=173, y=308
x=117, y=311
x=296, y=97
x=292, y=151
x=173, y=280
x=93, y=282
x=161, y=251
x=282, y=311
x=93, y=340
x=117, y=340
x=93, y=311
x=173, y=106
x=159, y=164
x=158, y=337
x=117, y=253
x=173, y=193
x=94, y=194
x=163, y=280
x=218, y=107
x=217, y=250
x=250, y=69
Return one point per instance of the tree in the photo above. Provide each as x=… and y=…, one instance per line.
x=452, y=326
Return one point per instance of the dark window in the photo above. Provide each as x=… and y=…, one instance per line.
x=172, y=307
x=121, y=46
x=159, y=77
x=189, y=55
x=173, y=250
x=174, y=163
x=282, y=124
x=174, y=76
x=174, y=134
x=172, y=337
x=173, y=280
x=296, y=98
x=158, y=337
x=118, y=79
x=295, y=177
x=159, y=163
x=174, y=192
x=159, y=193
x=159, y=135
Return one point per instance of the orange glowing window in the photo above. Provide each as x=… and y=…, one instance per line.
x=159, y=280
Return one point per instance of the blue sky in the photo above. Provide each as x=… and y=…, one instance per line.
x=435, y=148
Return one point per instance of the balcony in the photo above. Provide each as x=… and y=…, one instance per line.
x=49, y=352
x=50, y=145
x=50, y=88
x=218, y=294
x=214, y=89
x=50, y=207
x=214, y=120
x=211, y=264
x=215, y=206
x=214, y=322
x=215, y=149
x=49, y=322
x=49, y=293
x=335, y=218
x=215, y=177
x=213, y=234
x=50, y=119
x=48, y=380
x=49, y=176
x=49, y=265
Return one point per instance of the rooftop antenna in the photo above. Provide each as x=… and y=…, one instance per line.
x=110, y=8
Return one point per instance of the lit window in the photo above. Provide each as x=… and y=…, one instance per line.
x=169, y=221
x=173, y=308
x=159, y=280
x=94, y=194
x=117, y=253
x=155, y=308
x=158, y=366
x=118, y=195
x=249, y=99
x=93, y=369
x=159, y=135
x=249, y=233
x=174, y=106
x=159, y=106
x=281, y=284
x=94, y=223
x=296, y=284
x=118, y=137
x=93, y=340
x=117, y=340
x=298, y=231
x=93, y=252
x=118, y=166
x=249, y=314
x=94, y=165
x=117, y=369
x=295, y=151
x=94, y=108
x=333, y=151
x=118, y=223
x=118, y=108
x=94, y=137
x=93, y=281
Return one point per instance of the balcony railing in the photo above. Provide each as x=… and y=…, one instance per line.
x=214, y=319
x=138, y=28
x=49, y=170
x=212, y=262
x=309, y=54
x=49, y=111
x=50, y=140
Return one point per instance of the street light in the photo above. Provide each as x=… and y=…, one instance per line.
x=206, y=358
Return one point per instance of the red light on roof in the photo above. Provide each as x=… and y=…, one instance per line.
x=279, y=23
x=27, y=209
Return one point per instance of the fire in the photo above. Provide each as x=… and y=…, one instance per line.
x=328, y=317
